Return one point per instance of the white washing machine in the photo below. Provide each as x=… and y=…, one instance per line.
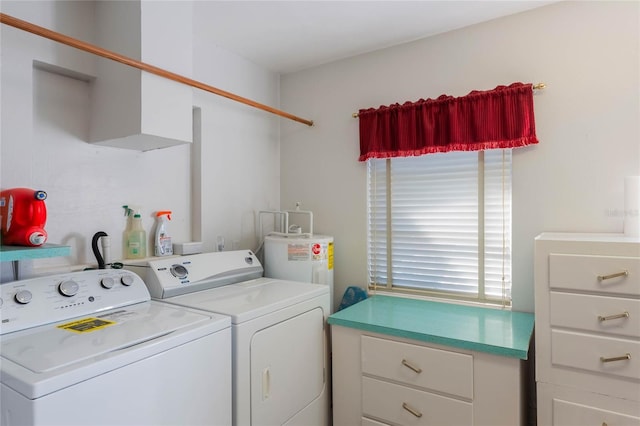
x=92, y=348
x=280, y=348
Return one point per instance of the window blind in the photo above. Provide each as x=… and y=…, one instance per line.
x=441, y=224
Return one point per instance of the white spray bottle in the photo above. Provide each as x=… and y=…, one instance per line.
x=163, y=240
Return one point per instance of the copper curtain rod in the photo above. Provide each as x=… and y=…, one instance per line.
x=538, y=86
x=87, y=47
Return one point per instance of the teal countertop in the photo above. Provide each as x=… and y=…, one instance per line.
x=495, y=331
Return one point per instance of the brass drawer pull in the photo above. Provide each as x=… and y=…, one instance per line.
x=413, y=411
x=616, y=358
x=411, y=366
x=616, y=275
x=625, y=314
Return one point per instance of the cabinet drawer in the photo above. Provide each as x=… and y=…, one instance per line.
x=595, y=273
x=584, y=351
x=369, y=422
x=575, y=406
x=421, y=366
x=406, y=406
x=603, y=314
x=567, y=413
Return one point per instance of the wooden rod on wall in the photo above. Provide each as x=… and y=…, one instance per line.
x=87, y=47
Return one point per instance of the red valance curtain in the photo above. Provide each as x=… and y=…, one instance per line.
x=498, y=118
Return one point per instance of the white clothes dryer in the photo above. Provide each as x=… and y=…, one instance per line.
x=92, y=348
x=280, y=341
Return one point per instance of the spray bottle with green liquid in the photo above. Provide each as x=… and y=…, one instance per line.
x=135, y=237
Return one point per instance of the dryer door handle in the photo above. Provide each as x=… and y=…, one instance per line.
x=266, y=383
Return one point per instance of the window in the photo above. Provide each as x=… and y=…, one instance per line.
x=440, y=225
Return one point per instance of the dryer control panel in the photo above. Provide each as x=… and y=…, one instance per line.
x=185, y=274
x=43, y=300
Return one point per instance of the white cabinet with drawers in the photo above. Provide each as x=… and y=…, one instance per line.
x=380, y=380
x=587, y=298
x=405, y=382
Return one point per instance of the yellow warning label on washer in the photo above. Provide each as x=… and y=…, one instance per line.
x=87, y=324
x=330, y=256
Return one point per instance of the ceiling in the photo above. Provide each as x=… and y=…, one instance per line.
x=288, y=36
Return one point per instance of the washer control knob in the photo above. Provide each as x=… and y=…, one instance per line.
x=107, y=282
x=23, y=297
x=126, y=280
x=68, y=288
x=179, y=271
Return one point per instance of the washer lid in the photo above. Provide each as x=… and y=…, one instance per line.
x=247, y=300
x=46, y=358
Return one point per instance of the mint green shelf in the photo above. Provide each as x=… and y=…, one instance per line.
x=17, y=253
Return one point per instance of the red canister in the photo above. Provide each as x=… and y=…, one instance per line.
x=23, y=214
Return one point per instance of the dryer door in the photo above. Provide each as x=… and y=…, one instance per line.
x=287, y=368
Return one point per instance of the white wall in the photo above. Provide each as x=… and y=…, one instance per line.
x=587, y=122
x=240, y=160
x=44, y=129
